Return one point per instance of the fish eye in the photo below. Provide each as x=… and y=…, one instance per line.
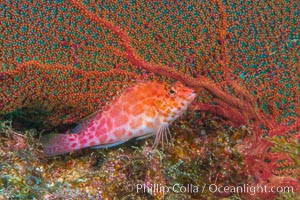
x=171, y=91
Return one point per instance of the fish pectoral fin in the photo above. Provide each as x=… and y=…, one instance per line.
x=144, y=136
x=162, y=134
x=107, y=145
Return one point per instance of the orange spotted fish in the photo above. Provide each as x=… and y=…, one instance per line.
x=145, y=110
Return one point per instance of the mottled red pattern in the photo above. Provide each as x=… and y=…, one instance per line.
x=146, y=112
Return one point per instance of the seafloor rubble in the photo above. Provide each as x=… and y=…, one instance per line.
x=197, y=157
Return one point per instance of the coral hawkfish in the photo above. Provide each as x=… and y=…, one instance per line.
x=144, y=110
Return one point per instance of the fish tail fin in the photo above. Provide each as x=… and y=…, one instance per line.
x=57, y=144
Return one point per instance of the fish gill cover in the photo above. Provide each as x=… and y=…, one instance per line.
x=68, y=59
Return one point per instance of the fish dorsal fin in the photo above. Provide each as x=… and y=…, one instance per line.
x=85, y=123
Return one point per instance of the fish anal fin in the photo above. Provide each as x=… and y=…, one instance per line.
x=107, y=145
x=144, y=136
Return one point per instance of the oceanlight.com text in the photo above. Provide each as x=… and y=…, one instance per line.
x=252, y=190
x=212, y=188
